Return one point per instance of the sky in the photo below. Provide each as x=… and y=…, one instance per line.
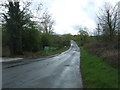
x=71, y=14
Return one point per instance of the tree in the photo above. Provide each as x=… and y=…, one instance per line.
x=46, y=40
x=83, y=36
x=15, y=20
x=77, y=39
x=20, y=31
x=44, y=19
x=13, y=26
x=47, y=23
x=98, y=32
x=31, y=37
x=108, y=20
x=66, y=39
x=57, y=41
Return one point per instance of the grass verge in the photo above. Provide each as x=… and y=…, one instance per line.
x=51, y=52
x=96, y=73
x=40, y=53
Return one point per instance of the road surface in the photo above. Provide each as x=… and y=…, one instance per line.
x=61, y=71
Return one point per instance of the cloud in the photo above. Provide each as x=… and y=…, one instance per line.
x=69, y=13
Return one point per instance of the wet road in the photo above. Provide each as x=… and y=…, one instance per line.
x=61, y=71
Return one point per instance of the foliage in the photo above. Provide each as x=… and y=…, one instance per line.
x=21, y=33
x=77, y=39
x=57, y=41
x=83, y=35
x=105, y=50
x=46, y=39
x=66, y=39
x=31, y=39
x=14, y=23
x=97, y=73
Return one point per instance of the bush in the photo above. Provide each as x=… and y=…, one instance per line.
x=106, y=50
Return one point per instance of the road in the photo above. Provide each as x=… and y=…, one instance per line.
x=60, y=71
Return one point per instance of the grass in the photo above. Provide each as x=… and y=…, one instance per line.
x=40, y=53
x=51, y=52
x=108, y=51
x=96, y=73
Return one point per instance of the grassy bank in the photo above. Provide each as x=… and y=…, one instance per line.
x=108, y=51
x=40, y=53
x=96, y=73
x=51, y=52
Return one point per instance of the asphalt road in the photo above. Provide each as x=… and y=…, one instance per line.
x=60, y=71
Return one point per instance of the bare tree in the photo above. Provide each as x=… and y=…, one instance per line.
x=44, y=19
x=47, y=22
x=108, y=20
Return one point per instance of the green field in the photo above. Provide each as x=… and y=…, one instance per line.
x=96, y=73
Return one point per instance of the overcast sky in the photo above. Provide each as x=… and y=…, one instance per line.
x=69, y=14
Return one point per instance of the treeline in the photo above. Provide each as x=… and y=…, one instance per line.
x=108, y=26
x=108, y=22
x=105, y=42
x=23, y=31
